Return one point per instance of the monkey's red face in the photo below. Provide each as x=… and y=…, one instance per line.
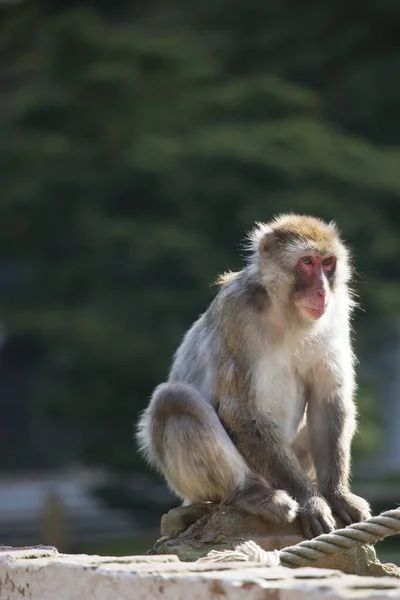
x=314, y=275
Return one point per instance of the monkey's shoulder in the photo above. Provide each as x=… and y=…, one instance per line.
x=241, y=300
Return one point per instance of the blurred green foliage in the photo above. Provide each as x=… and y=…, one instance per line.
x=140, y=140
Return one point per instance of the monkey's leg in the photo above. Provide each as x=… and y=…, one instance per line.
x=301, y=448
x=263, y=444
x=185, y=439
x=333, y=424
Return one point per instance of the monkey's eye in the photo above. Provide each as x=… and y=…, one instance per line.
x=307, y=260
x=328, y=264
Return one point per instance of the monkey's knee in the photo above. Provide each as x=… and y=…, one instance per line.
x=168, y=401
x=185, y=439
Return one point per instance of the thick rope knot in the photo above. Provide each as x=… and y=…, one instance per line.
x=305, y=553
x=248, y=551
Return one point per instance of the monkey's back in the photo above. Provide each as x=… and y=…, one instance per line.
x=197, y=358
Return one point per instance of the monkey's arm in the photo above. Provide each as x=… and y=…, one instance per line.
x=265, y=449
x=331, y=419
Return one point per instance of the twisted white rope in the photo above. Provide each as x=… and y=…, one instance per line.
x=305, y=553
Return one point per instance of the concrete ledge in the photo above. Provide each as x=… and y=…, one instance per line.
x=43, y=574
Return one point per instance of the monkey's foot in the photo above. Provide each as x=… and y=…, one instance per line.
x=272, y=505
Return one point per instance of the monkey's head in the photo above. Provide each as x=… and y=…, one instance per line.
x=301, y=261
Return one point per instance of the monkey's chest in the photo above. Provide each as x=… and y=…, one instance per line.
x=281, y=395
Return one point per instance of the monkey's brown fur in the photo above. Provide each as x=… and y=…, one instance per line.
x=260, y=394
x=307, y=228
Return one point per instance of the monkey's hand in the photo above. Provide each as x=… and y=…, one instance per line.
x=349, y=507
x=316, y=516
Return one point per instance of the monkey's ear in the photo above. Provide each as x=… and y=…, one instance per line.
x=267, y=240
x=260, y=238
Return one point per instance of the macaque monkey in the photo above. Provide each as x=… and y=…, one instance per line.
x=260, y=395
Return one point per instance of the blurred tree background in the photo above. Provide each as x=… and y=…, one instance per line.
x=140, y=140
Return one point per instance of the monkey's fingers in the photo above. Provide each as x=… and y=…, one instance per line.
x=313, y=526
x=317, y=526
x=350, y=508
x=360, y=515
x=316, y=517
x=352, y=515
x=342, y=514
x=360, y=511
x=327, y=523
x=306, y=525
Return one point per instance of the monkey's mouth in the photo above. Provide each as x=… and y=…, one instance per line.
x=313, y=312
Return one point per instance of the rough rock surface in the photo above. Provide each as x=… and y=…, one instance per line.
x=191, y=532
x=44, y=574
